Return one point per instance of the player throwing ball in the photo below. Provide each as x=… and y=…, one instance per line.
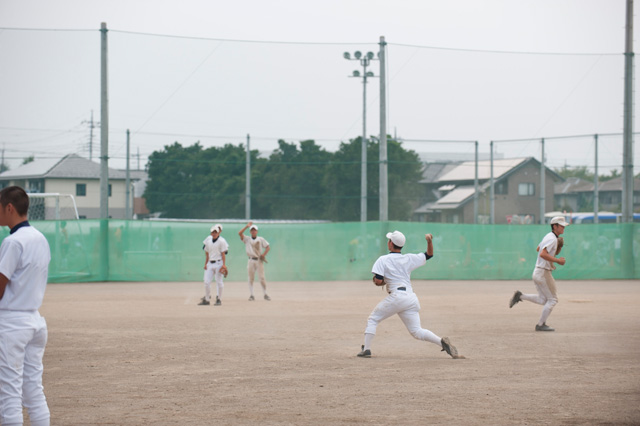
x=394, y=271
x=215, y=249
x=548, y=249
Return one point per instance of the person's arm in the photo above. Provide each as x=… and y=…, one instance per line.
x=206, y=259
x=429, y=239
x=546, y=256
x=265, y=253
x=3, y=285
x=224, y=258
x=378, y=279
x=241, y=232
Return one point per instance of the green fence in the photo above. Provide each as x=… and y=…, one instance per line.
x=94, y=250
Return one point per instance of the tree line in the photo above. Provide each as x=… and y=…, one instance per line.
x=297, y=181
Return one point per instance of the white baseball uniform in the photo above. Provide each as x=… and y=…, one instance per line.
x=545, y=284
x=254, y=248
x=215, y=250
x=396, y=269
x=24, y=260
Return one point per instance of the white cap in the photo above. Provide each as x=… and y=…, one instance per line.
x=559, y=220
x=217, y=228
x=253, y=227
x=217, y=225
x=397, y=238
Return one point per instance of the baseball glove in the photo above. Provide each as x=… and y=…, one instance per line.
x=224, y=271
x=560, y=245
x=376, y=283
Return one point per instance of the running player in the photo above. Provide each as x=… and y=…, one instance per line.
x=395, y=269
x=545, y=284
x=215, y=249
x=257, y=257
x=24, y=266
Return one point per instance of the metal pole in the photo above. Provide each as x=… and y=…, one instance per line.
x=104, y=158
x=596, y=192
x=127, y=182
x=543, y=189
x=384, y=181
x=475, y=187
x=492, y=195
x=247, y=204
x=627, y=152
x=104, y=128
x=363, y=166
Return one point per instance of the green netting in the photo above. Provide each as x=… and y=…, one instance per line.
x=94, y=250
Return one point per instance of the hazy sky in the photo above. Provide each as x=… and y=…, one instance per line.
x=274, y=69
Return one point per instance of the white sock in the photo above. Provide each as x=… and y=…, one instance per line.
x=368, y=338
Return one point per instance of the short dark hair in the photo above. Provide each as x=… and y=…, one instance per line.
x=16, y=196
x=395, y=247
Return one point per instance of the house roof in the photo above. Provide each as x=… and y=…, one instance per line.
x=465, y=172
x=603, y=186
x=432, y=171
x=71, y=166
x=452, y=200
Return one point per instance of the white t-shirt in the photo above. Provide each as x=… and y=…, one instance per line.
x=255, y=246
x=215, y=248
x=396, y=268
x=550, y=242
x=24, y=259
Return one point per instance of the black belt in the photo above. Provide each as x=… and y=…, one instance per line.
x=213, y=261
x=255, y=258
x=402, y=288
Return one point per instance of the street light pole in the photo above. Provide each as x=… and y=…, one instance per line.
x=364, y=61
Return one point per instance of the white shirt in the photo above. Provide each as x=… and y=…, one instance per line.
x=254, y=246
x=24, y=259
x=396, y=268
x=215, y=249
x=549, y=242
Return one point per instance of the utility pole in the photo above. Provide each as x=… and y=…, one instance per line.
x=127, y=205
x=542, y=183
x=247, y=205
x=627, y=151
x=104, y=157
x=138, y=158
x=384, y=179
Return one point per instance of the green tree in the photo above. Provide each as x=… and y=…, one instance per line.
x=581, y=172
x=28, y=160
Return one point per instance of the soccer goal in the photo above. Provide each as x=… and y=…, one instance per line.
x=52, y=206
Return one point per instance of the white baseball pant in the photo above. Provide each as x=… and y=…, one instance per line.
x=213, y=270
x=547, y=295
x=23, y=337
x=407, y=306
x=252, y=267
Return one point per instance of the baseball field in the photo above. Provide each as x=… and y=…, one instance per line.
x=145, y=354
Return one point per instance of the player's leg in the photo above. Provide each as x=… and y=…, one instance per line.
x=208, y=278
x=382, y=311
x=263, y=280
x=539, y=281
x=251, y=271
x=32, y=390
x=548, y=288
x=219, y=283
x=12, y=349
x=410, y=316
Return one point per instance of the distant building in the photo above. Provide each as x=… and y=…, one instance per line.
x=516, y=185
x=77, y=176
x=577, y=195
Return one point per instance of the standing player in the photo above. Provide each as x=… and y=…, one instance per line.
x=257, y=257
x=24, y=266
x=394, y=270
x=545, y=284
x=215, y=249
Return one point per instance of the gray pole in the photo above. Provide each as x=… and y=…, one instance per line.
x=627, y=152
x=127, y=207
x=104, y=128
x=384, y=181
x=596, y=192
x=363, y=167
x=247, y=204
x=542, y=184
x=475, y=187
x=492, y=195
x=104, y=158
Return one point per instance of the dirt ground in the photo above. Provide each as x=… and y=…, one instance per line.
x=145, y=354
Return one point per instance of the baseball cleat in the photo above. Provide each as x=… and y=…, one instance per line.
x=251, y=298
x=515, y=299
x=449, y=348
x=365, y=354
x=204, y=301
x=218, y=302
x=544, y=327
x=266, y=297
